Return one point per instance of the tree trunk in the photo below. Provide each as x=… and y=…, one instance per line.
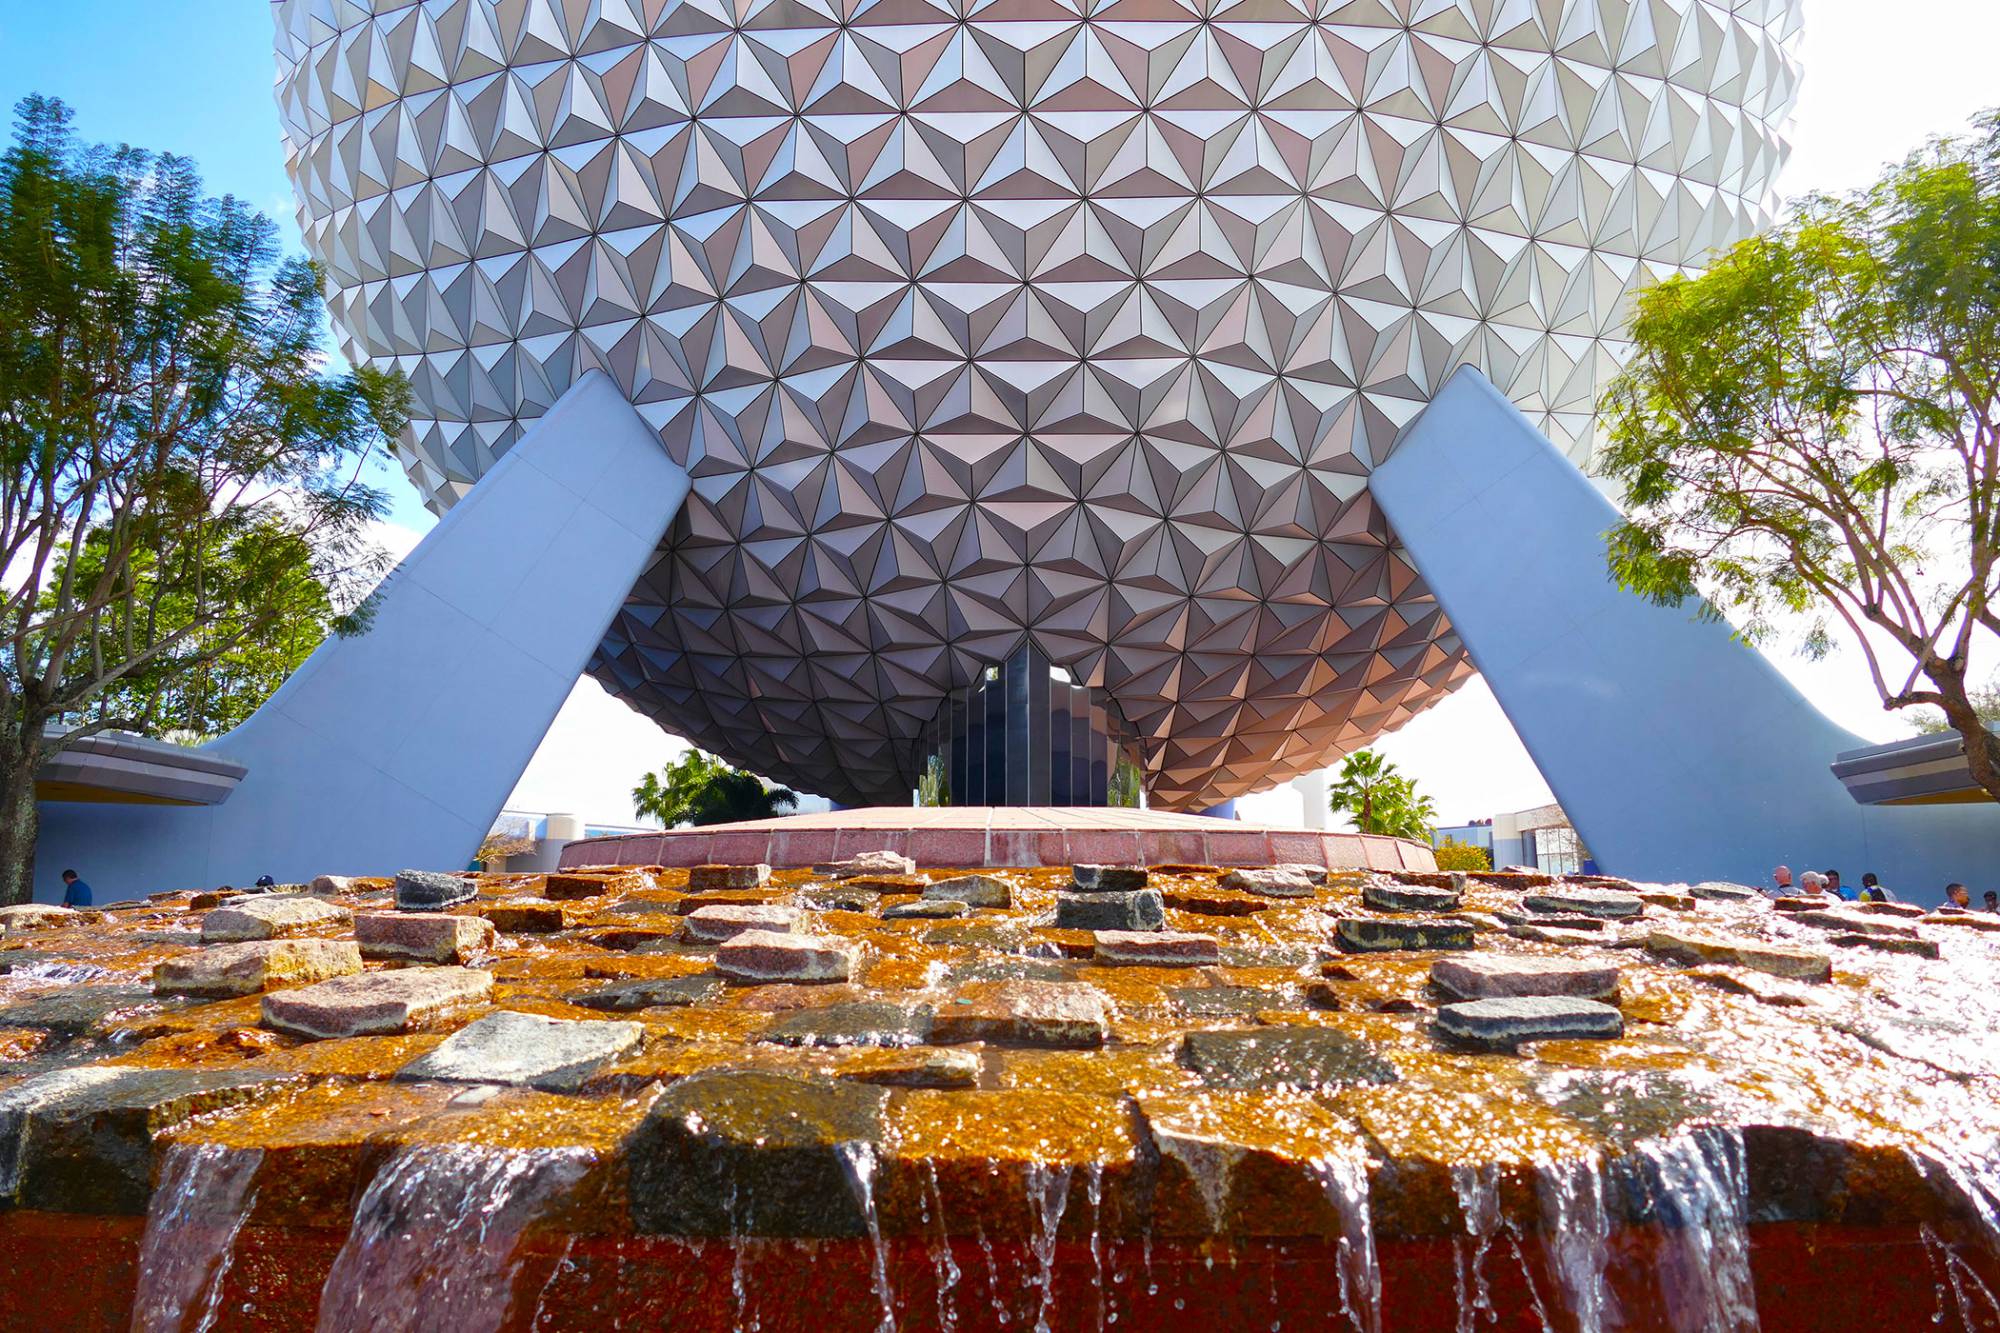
x=19, y=761
x=1982, y=748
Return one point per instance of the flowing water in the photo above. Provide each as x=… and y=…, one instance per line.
x=1696, y=1186
x=205, y=1193
x=433, y=1239
x=859, y=1163
x=1578, y=1238
x=1048, y=1196
x=1345, y=1179
x=1478, y=1191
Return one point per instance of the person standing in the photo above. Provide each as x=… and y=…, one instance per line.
x=1957, y=898
x=1834, y=887
x=1781, y=878
x=76, y=893
x=1872, y=890
x=1992, y=901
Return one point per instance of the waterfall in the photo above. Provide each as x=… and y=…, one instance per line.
x=857, y=1161
x=1577, y=1228
x=206, y=1191
x=433, y=1238
x=1048, y=1196
x=1478, y=1191
x=1344, y=1177
x=1697, y=1187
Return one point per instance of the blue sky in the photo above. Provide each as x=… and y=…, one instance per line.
x=192, y=77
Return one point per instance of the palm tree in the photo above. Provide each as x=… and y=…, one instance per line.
x=700, y=789
x=1380, y=799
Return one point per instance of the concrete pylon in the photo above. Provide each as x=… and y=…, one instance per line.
x=1678, y=752
x=397, y=747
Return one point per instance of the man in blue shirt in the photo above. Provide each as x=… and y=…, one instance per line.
x=75, y=892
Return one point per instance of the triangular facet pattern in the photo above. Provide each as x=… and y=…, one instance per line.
x=975, y=319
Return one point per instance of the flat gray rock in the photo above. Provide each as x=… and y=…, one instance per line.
x=706, y=879
x=927, y=909
x=526, y=1050
x=1496, y=976
x=431, y=891
x=1107, y=879
x=431, y=937
x=1386, y=896
x=869, y=863
x=1301, y=1057
x=1285, y=881
x=649, y=993
x=1364, y=934
x=867, y=1023
x=255, y=965
x=1503, y=1024
x=1721, y=891
x=1609, y=904
x=1142, y=909
x=1156, y=948
x=975, y=890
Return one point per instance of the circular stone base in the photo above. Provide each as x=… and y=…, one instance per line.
x=1001, y=836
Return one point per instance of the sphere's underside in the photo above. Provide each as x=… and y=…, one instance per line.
x=1080, y=321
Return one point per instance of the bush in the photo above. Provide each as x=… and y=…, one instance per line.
x=1455, y=855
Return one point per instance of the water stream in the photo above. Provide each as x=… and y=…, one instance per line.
x=206, y=1191
x=1577, y=1229
x=1478, y=1191
x=432, y=1245
x=1696, y=1186
x=1344, y=1177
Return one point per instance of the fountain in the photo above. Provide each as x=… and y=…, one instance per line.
x=725, y=1099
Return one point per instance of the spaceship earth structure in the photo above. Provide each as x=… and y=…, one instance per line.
x=1082, y=320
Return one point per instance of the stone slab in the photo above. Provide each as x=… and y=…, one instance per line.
x=973, y=890
x=1777, y=960
x=423, y=937
x=1606, y=904
x=270, y=919
x=1361, y=934
x=1503, y=1024
x=748, y=1153
x=649, y=993
x=715, y=924
x=704, y=879
x=1388, y=896
x=1143, y=909
x=377, y=1003
x=526, y=1050
x=431, y=891
x=1296, y=1058
x=1282, y=881
x=530, y=916
x=1492, y=976
x=1023, y=1013
x=769, y=955
x=258, y=965
x=864, y=1023
x=927, y=909
x=83, y=1140
x=37, y=916
x=870, y=863
x=1156, y=948
x=1107, y=879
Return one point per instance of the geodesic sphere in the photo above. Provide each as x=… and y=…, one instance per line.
x=1084, y=321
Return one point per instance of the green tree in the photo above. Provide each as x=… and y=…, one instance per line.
x=1809, y=433
x=1380, y=799
x=1455, y=855
x=700, y=789
x=174, y=453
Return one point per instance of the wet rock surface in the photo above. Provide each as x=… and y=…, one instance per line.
x=245, y=969
x=270, y=919
x=430, y=891
x=526, y=1049
x=972, y=890
x=1503, y=1024
x=1238, y=1075
x=1139, y=909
